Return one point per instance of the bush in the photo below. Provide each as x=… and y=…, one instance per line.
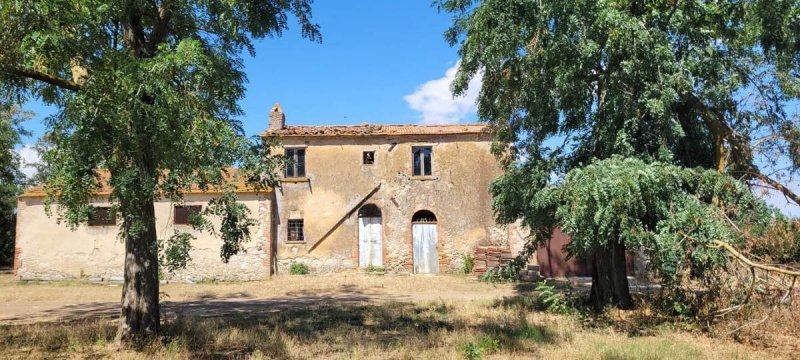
x=469, y=263
x=298, y=269
x=549, y=300
x=372, y=269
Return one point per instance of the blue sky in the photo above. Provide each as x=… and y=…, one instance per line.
x=373, y=54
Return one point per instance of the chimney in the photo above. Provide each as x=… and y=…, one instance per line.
x=277, y=120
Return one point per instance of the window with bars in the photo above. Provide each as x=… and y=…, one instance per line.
x=102, y=216
x=421, y=160
x=296, y=165
x=295, y=230
x=182, y=214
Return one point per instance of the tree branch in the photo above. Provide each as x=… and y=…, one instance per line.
x=750, y=263
x=776, y=185
x=161, y=29
x=43, y=77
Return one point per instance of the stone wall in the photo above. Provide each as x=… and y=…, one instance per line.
x=51, y=251
x=337, y=182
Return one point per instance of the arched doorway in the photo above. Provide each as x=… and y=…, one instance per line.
x=425, y=242
x=370, y=244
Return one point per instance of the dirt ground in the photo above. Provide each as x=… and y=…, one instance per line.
x=26, y=302
x=341, y=316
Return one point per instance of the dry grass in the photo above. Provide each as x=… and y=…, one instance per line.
x=394, y=330
x=385, y=326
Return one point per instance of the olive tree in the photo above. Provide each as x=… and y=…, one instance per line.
x=148, y=91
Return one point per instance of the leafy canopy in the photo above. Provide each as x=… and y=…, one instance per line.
x=568, y=81
x=147, y=90
x=607, y=113
x=11, y=179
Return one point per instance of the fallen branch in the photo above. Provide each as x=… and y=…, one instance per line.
x=752, y=266
x=750, y=263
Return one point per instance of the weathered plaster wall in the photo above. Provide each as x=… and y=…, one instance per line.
x=50, y=251
x=337, y=181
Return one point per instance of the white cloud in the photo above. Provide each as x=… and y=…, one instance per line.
x=28, y=156
x=436, y=103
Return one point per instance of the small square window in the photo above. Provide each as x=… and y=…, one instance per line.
x=102, y=216
x=182, y=214
x=369, y=158
x=295, y=233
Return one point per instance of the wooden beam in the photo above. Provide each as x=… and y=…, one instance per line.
x=346, y=215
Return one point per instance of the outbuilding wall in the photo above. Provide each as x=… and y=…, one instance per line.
x=47, y=250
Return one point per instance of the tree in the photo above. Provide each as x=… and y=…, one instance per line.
x=10, y=177
x=147, y=90
x=687, y=82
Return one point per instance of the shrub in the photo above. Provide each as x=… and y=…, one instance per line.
x=372, y=269
x=549, y=300
x=469, y=263
x=298, y=269
x=472, y=351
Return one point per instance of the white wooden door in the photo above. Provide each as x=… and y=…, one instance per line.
x=426, y=249
x=370, y=246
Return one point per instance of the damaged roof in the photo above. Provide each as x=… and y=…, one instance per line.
x=377, y=130
x=38, y=191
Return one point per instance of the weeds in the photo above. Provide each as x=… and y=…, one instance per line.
x=469, y=263
x=374, y=270
x=298, y=269
x=551, y=300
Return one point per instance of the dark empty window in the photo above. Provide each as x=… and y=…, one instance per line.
x=296, y=165
x=421, y=160
x=296, y=230
x=102, y=216
x=182, y=214
x=369, y=157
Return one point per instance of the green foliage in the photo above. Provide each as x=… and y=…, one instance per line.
x=375, y=270
x=298, y=269
x=147, y=91
x=550, y=300
x=665, y=210
x=568, y=83
x=11, y=179
x=486, y=344
x=473, y=351
x=174, y=251
x=469, y=263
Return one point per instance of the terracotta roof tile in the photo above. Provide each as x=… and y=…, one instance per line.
x=378, y=130
x=105, y=189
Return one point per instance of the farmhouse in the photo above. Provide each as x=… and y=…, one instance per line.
x=406, y=198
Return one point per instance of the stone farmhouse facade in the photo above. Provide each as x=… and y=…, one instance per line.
x=404, y=198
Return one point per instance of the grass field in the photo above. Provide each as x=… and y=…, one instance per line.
x=331, y=317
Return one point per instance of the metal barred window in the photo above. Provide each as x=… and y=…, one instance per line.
x=295, y=232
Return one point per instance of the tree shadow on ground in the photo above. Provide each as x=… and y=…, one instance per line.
x=320, y=324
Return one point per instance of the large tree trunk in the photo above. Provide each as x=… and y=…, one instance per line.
x=610, y=279
x=140, y=318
